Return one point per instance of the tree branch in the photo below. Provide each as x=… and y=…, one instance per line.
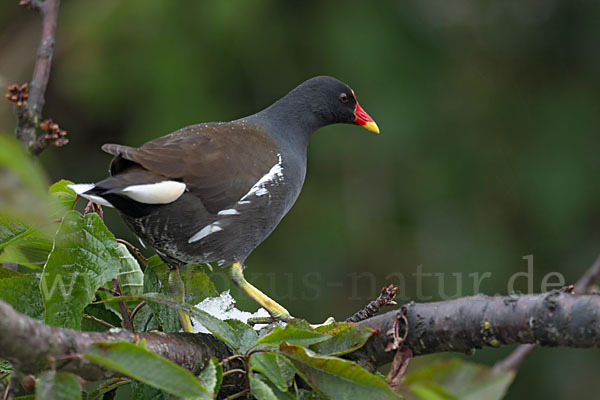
x=550, y=319
x=463, y=325
x=582, y=286
x=30, y=345
x=30, y=101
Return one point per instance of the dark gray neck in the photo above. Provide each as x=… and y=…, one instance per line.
x=294, y=118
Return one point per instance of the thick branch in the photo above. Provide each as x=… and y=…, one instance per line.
x=29, y=115
x=583, y=285
x=30, y=346
x=551, y=319
x=463, y=325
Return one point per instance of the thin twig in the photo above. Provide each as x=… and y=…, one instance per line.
x=385, y=298
x=136, y=309
x=238, y=395
x=127, y=324
x=589, y=277
x=29, y=112
x=233, y=371
x=108, y=290
x=98, y=321
x=233, y=357
x=582, y=286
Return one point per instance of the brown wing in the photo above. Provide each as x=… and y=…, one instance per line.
x=219, y=162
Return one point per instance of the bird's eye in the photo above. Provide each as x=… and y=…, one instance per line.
x=343, y=97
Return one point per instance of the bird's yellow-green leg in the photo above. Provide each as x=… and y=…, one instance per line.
x=177, y=289
x=278, y=313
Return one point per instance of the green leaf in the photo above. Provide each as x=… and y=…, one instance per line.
x=131, y=277
x=8, y=273
x=5, y=367
x=198, y=285
x=345, y=339
x=336, y=378
x=145, y=321
x=23, y=293
x=211, y=376
x=57, y=386
x=63, y=198
x=21, y=244
x=459, y=379
x=260, y=389
x=83, y=258
x=147, y=367
x=247, y=336
x=156, y=278
x=292, y=335
x=98, y=393
x=141, y=391
x=23, y=184
x=274, y=367
x=100, y=312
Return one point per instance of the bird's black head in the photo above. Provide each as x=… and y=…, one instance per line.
x=324, y=100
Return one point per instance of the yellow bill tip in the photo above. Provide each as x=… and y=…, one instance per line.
x=372, y=126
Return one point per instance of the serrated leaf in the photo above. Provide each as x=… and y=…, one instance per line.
x=156, y=281
x=57, y=386
x=83, y=258
x=276, y=368
x=62, y=198
x=211, y=376
x=247, y=336
x=337, y=378
x=260, y=389
x=147, y=367
x=292, y=335
x=345, y=338
x=22, y=292
x=131, y=277
x=5, y=367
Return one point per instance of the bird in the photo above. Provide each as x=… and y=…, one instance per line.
x=212, y=192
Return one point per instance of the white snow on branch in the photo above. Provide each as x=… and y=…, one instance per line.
x=223, y=307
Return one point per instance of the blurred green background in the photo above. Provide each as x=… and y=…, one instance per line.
x=489, y=114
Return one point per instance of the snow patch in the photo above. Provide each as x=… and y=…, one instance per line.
x=223, y=307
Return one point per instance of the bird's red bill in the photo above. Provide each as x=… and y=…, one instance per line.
x=363, y=119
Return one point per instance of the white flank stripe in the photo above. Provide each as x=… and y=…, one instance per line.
x=229, y=211
x=275, y=175
x=155, y=193
x=81, y=188
x=204, y=232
